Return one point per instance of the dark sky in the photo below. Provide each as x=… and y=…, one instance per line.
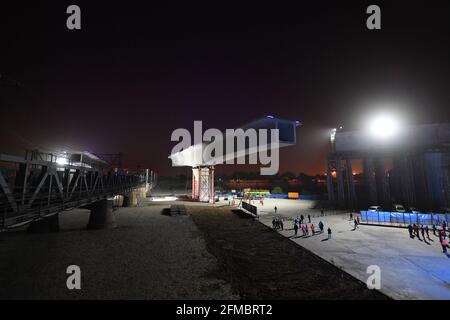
x=138, y=70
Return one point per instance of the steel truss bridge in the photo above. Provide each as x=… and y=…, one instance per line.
x=41, y=185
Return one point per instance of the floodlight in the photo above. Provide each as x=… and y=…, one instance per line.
x=383, y=126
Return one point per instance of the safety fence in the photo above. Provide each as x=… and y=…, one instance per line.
x=403, y=218
x=300, y=197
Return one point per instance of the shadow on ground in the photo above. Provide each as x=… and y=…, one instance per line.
x=262, y=264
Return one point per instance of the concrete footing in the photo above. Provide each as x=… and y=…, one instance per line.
x=130, y=199
x=48, y=224
x=102, y=215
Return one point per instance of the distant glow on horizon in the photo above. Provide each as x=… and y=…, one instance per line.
x=383, y=126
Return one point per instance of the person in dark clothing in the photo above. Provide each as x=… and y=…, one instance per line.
x=295, y=228
x=422, y=230
x=274, y=224
x=356, y=224
x=434, y=229
x=321, y=226
x=410, y=230
x=329, y=233
x=416, y=231
x=281, y=224
x=275, y=209
x=309, y=218
x=321, y=212
x=351, y=216
x=444, y=245
x=427, y=232
x=302, y=218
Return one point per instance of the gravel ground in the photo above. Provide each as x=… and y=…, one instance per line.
x=262, y=264
x=225, y=254
x=149, y=256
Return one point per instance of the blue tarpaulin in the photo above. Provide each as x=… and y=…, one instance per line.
x=405, y=218
x=301, y=197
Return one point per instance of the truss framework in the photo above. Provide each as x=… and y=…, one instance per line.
x=31, y=189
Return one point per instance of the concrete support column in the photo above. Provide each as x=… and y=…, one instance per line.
x=369, y=174
x=102, y=215
x=382, y=183
x=203, y=183
x=340, y=184
x=195, y=183
x=48, y=224
x=435, y=179
x=350, y=184
x=130, y=199
x=403, y=168
x=143, y=192
x=211, y=184
x=330, y=187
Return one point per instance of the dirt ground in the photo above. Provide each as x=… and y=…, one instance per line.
x=150, y=255
x=261, y=264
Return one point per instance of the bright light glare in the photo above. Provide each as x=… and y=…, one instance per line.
x=167, y=198
x=383, y=126
x=61, y=161
x=333, y=135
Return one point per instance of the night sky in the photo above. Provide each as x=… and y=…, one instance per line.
x=138, y=70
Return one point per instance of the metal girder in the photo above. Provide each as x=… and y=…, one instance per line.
x=36, y=188
x=7, y=192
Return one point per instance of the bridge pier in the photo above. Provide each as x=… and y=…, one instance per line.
x=143, y=192
x=102, y=215
x=130, y=199
x=47, y=224
x=203, y=183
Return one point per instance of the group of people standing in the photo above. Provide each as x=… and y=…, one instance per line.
x=277, y=224
x=415, y=231
x=300, y=224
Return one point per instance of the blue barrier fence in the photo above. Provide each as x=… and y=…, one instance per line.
x=272, y=196
x=301, y=197
x=277, y=196
x=401, y=218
